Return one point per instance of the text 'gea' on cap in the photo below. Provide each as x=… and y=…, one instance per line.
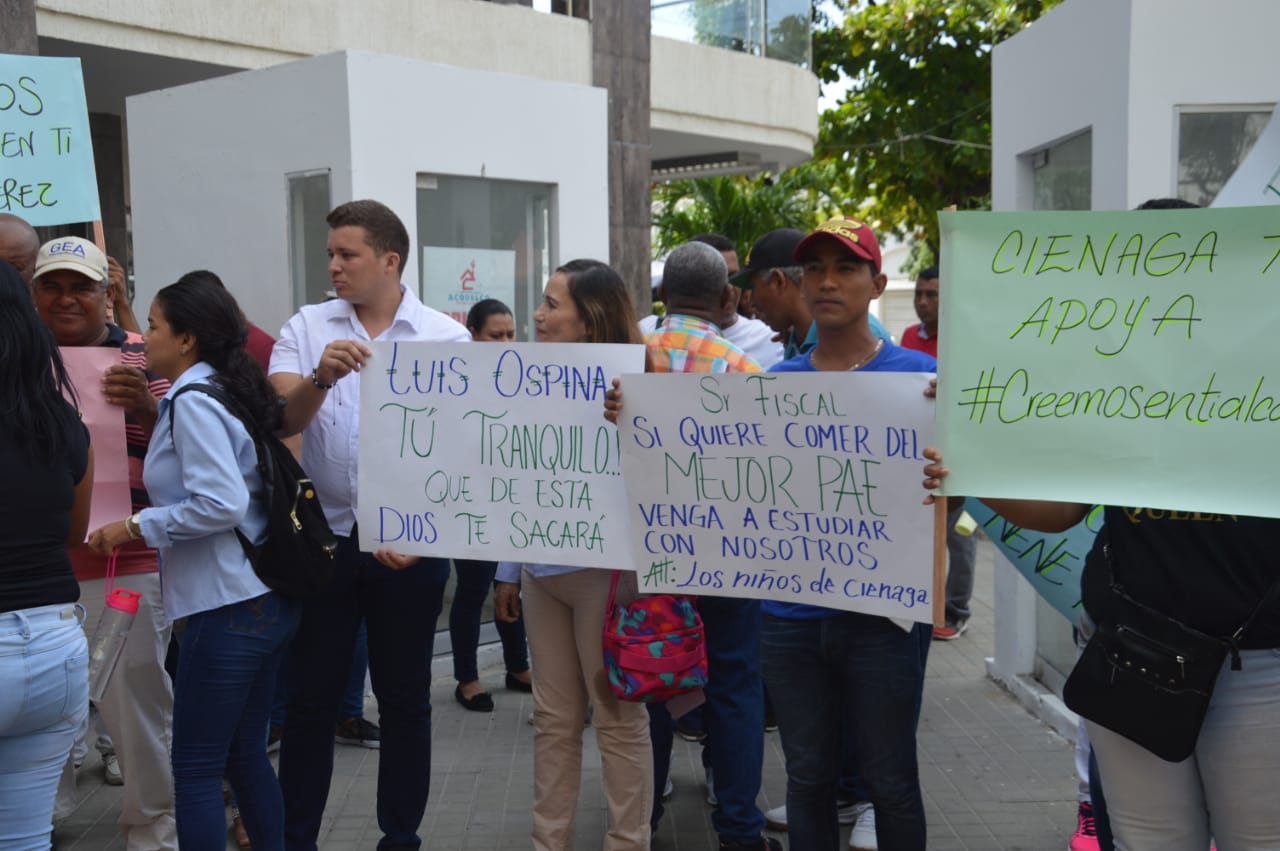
x=73, y=254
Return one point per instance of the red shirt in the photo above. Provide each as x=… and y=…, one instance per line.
x=259, y=346
x=916, y=337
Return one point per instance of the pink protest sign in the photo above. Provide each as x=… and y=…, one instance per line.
x=85, y=365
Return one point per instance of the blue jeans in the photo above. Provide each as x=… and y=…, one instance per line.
x=734, y=715
x=227, y=665
x=853, y=674
x=44, y=699
x=400, y=608
x=475, y=578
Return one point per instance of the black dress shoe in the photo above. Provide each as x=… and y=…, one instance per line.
x=516, y=684
x=481, y=702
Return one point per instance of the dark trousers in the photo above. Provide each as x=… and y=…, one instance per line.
x=824, y=672
x=475, y=578
x=399, y=608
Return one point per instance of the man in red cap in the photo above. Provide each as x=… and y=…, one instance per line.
x=830, y=672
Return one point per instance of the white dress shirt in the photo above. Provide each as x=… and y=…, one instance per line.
x=330, y=442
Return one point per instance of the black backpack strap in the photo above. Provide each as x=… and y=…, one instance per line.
x=237, y=410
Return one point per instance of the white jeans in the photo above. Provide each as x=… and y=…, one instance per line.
x=1226, y=790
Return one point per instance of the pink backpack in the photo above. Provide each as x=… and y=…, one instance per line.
x=654, y=647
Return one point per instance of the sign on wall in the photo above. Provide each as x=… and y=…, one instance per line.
x=799, y=488
x=493, y=451
x=46, y=153
x=454, y=279
x=1117, y=358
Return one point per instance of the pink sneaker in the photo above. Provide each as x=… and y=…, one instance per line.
x=1086, y=835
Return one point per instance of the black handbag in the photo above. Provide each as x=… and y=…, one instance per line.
x=1149, y=677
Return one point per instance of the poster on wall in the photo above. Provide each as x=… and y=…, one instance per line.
x=454, y=279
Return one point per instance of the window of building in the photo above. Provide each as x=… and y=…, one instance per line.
x=1063, y=174
x=1212, y=143
x=480, y=238
x=309, y=203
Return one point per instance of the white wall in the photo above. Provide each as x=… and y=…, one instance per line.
x=1184, y=55
x=208, y=161
x=207, y=165
x=1065, y=73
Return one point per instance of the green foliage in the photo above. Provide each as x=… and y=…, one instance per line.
x=913, y=133
x=743, y=208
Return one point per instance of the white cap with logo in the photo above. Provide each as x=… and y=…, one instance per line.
x=74, y=254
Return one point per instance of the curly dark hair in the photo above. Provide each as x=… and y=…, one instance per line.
x=199, y=305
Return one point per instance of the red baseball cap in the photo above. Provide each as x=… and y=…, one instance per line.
x=853, y=234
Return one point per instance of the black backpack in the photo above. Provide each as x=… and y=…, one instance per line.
x=296, y=560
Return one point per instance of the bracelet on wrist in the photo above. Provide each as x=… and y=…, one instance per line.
x=315, y=379
x=132, y=527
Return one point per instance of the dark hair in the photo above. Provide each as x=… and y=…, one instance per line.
x=383, y=229
x=1167, y=204
x=197, y=306
x=602, y=300
x=695, y=273
x=482, y=310
x=928, y=273
x=33, y=408
x=197, y=276
x=717, y=241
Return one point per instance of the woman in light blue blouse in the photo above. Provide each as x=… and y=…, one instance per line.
x=201, y=472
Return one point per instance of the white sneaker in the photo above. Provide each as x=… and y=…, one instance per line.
x=776, y=818
x=847, y=811
x=111, y=770
x=863, y=835
x=668, y=790
x=711, y=791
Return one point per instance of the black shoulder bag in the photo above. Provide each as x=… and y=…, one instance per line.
x=297, y=558
x=1149, y=677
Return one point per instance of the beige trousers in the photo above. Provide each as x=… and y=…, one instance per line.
x=564, y=619
x=137, y=712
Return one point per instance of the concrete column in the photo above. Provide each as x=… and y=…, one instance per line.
x=18, y=27
x=620, y=63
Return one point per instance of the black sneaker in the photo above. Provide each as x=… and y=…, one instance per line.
x=765, y=843
x=358, y=731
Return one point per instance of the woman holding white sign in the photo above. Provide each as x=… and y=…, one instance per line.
x=564, y=609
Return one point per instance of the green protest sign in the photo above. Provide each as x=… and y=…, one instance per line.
x=46, y=154
x=1125, y=358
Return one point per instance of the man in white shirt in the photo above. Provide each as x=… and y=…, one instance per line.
x=316, y=367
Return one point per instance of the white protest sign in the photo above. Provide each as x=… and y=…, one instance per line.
x=493, y=451
x=803, y=488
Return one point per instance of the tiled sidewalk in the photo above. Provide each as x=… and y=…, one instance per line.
x=994, y=777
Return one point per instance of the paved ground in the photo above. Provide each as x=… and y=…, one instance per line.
x=994, y=777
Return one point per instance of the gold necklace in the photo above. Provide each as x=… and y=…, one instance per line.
x=875, y=350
